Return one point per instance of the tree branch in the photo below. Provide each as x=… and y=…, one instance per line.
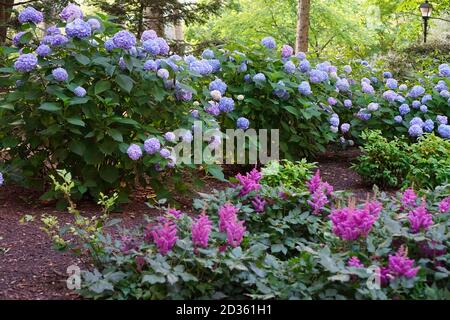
x=16, y=4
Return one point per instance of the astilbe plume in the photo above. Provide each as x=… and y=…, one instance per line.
x=229, y=223
x=444, y=205
x=419, y=218
x=165, y=236
x=319, y=193
x=351, y=223
x=399, y=265
x=259, y=204
x=249, y=182
x=227, y=213
x=355, y=262
x=201, y=228
x=408, y=198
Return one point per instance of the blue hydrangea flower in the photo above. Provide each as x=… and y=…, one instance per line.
x=150, y=65
x=391, y=83
x=71, y=12
x=218, y=85
x=148, y=35
x=301, y=55
x=334, y=120
x=109, y=45
x=243, y=67
x=387, y=74
x=304, y=66
x=403, y=87
x=347, y=69
x=134, y=152
x=124, y=40
x=60, y=74
x=373, y=106
x=170, y=136
x=26, y=62
x=441, y=85
x=226, y=104
x=332, y=101
x=404, y=109
x=415, y=131
x=289, y=67
x=79, y=91
x=416, y=104
x=428, y=125
x=365, y=63
x=183, y=94
x=2, y=180
x=259, y=77
x=416, y=91
x=247, y=78
x=151, y=46
x=318, y=76
x=416, y=121
x=16, y=38
x=348, y=103
x=242, y=123
x=58, y=40
x=268, y=42
x=163, y=73
x=201, y=67
x=423, y=108
x=194, y=114
x=215, y=65
x=94, y=23
x=345, y=127
x=122, y=63
x=426, y=98
x=363, y=114
x=30, y=14
x=164, y=153
x=444, y=70
x=334, y=129
x=398, y=119
x=444, y=94
x=281, y=92
x=212, y=108
x=208, y=54
x=52, y=31
x=324, y=66
x=163, y=46
x=342, y=85
x=287, y=51
x=390, y=95
x=304, y=88
x=43, y=50
x=442, y=119
x=367, y=88
x=78, y=29
x=152, y=145
x=444, y=131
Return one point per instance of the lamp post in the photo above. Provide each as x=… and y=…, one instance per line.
x=425, y=10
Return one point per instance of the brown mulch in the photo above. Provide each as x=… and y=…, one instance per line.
x=31, y=269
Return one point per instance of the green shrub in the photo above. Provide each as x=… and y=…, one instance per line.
x=287, y=174
x=382, y=162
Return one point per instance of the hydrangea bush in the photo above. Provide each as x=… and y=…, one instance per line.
x=259, y=241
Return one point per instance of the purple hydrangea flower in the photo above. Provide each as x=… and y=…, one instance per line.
x=444, y=131
x=442, y=119
x=52, y=31
x=444, y=70
x=163, y=73
x=304, y=66
x=170, y=136
x=109, y=45
x=404, y=109
x=201, y=67
x=428, y=125
x=332, y=101
x=441, y=85
x=2, y=180
x=30, y=14
x=391, y=83
x=208, y=54
x=242, y=123
x=60, y=74
x=124, y=40
x=58, y=40
x=345, y=127
x=287, y=51
x=426, y=98
x=348, y=103
x=304, y=88
x=26, y=62
x=289, y=67
x=134, y=152
x=390, y=95
x=218, y=85
x=268, y=42
x=416, y=121
x=416, y=91
x=347, y=69
x=367, y=88
x=243, y=67
x=363, y=114
x=163, y=46
x=152, y=145
x=415, y=131
x=213, y=108
x=301, y=55
x=151, y=46
x=94, y=23
x=148, y=35
x=164, y=153
x=79, y=91
x=226, y=104
x=150, y=65
x=387, y=74
x=183, y=94
x=259, y=77
x=343, y=85
x=334, y=120
x=78, y=29
x=398, y=119
x=16, y=38
x=444, y=94
x=403, y=87
x=423, y=108
x=373, y=106
x=318, y=76
x=71, y=12
x=43, y=50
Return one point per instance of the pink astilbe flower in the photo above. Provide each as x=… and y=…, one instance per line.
x=409, y=198
x=351, y=223
x=355, y=262
x=201, y=228
x=259, y=204
x=444, y=205
x=165, y=236
x=399, y=264
x=249, y=182
x=174, y=212
x=127, y=243
x=235, y=233
x=227, y=214
x=319, y=193
x=419, y=218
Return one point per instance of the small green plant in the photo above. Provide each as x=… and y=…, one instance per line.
x=382, y=162
x=287, y=174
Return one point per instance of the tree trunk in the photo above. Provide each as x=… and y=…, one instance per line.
x=301, y=42
x=5, y=14
x=153, y=20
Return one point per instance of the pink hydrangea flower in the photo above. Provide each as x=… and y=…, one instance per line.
x=355, y=262
x=419, y=218
x=444, y=205
x=201, y=228
x=249, y=182
x=352, y=223
x=165, y=236
x=399, y=265
x=259, y=204
x=409, y=198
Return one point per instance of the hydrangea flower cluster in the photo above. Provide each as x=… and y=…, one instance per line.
x=268, y=42
x=134, y=152
x=78, y=28
x=71, y=12
x=351, y=223
x=26, y=62
x=124, y=40
x=242, y=123
x=30, y=14
x=60, y=74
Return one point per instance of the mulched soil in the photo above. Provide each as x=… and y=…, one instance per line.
x=31, y=269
